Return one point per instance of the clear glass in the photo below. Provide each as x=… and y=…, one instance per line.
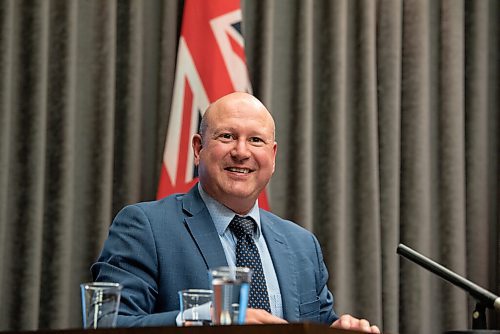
x=230, y=286
x=195, y=305
x=100, y=302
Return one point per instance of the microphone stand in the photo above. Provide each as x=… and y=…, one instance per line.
x=484, y=298
x=479, y=316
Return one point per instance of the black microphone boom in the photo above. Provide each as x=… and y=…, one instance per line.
x=487, y=298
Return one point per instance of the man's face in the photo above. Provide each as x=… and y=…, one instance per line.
x=237, y=153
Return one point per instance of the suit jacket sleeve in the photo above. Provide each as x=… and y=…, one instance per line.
x=327, y=314
x=130, y=257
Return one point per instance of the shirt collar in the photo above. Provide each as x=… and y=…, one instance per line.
x=222, y=215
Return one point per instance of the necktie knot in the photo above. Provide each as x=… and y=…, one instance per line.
x=242, y=227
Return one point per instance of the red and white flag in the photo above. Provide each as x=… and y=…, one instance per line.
x=210, y=64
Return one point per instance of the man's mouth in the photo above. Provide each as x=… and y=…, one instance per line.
x=239, y=170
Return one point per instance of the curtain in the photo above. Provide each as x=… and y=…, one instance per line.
x=85, y=94
x=387, y=120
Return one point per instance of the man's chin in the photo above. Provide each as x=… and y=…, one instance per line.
x=242, y=193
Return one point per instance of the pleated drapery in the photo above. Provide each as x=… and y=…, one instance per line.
x=387, y=120
x=84, y=101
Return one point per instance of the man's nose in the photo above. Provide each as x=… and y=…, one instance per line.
x=240, y=149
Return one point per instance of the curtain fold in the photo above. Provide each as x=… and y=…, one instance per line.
x=28, y=76
x=417, y=179
x=60, y=167
x=387, y=122
x=481, y=144
x=451, y=157
x=388, y=54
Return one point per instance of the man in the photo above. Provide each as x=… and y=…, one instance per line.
x=158, y=248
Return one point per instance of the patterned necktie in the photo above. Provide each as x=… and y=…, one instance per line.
x=247, y=255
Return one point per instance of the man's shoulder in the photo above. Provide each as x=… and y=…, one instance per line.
x=179, y=204
x=161, y=207
x=282, y=224
x=158, y=203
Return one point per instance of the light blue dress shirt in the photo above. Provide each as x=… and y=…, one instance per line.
x=221, y=217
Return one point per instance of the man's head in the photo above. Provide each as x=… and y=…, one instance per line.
x=235, y=150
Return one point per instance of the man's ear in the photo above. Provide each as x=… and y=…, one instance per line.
x=197, y=145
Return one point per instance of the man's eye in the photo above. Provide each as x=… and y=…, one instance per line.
x=226, y=136
x=256, y=140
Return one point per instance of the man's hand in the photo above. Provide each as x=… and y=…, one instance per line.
x=256, y=316
x=349, y=322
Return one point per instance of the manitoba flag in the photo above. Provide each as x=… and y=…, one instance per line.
x=210, y=64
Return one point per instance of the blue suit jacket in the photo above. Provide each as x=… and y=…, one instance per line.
x=155, y=249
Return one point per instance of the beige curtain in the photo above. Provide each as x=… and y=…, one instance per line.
x=387, y=125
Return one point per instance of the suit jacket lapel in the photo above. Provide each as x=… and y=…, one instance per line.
x=202, y=229
x=282, y=257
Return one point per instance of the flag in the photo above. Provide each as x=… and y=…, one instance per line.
x=210, y=64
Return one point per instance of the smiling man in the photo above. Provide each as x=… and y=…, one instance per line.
x=235, y=151
x=158, y=248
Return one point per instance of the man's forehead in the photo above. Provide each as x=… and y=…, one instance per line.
x=241, y=128
x=229, y=114
x=238, y=106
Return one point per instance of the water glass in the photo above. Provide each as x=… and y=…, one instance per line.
x=100, y=302
x=195, y=307
x=230, y=286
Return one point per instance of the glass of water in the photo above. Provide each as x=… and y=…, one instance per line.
x=100, y=302
x=195, y=307
x=230, y=286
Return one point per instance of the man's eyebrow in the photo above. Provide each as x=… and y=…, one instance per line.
x=217, y=131
x=223, y=129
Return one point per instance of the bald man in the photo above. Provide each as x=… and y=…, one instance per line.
x=157, y=248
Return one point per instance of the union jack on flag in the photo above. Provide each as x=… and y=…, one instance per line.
x=210, y=64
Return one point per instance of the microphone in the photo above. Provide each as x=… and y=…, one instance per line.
x=483, y=296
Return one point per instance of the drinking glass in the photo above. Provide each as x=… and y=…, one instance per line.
x=195, y=307
x=100, y=302
x=231, y=286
